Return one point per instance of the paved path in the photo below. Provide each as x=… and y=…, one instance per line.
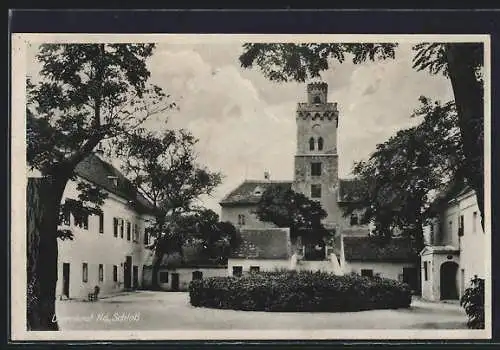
x=146, y=310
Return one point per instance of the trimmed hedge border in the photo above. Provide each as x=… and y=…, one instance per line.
x=303, y=291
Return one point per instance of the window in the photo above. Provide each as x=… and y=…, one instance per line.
x=128, y=230
x=163, y=277
x=121, y=228
x=316, y=169
x=426, y=277
x=115, y=273
x=237, y=271
x=317, y=99
x=311, y=144
x=197, y=275
x=83, y=222
x=85, y=272
x=101, y=222
x=66, y=213
x=461, y=226
x=241, y=219
x=320, y=144
x=254, y=269
x=474, y=222
x=354, y=219
x=146, y=237
x=101, y=273
x=316, y=191
x=366, y=272
x=115, y=227
x=136, y=233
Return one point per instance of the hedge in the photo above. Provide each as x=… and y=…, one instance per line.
x=299, y=291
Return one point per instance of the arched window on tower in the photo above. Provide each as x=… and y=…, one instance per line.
x=317, y=99
x=311, y=144
x=320, y=144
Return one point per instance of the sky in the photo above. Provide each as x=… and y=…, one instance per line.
x=246, y=124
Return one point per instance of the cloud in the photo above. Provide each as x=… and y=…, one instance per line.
x=239, y=132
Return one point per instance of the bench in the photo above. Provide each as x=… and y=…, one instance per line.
x=93, y=296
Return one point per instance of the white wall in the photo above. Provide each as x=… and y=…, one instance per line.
x=96, y=248
x=473, y=243
x=230, y=213
x=264, y=264
x=472, y=246
x=186, y=276
x=390, y=270
x=431, y=289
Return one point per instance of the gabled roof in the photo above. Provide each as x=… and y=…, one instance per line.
x=246, y=192
x=101, y=173
x=440, y=249
x=349, y=190
x=367, y=248
x=271, y=243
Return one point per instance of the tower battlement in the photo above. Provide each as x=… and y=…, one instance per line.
x=317, y=93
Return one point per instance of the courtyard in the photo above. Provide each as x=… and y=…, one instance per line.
x=148, y=310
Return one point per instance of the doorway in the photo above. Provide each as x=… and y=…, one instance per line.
x=175, y=282
x=448, y=280
x=66, y=279
x=410, y=277
x=135, y=272
x=127, y=272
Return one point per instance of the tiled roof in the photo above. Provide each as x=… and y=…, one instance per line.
x=250, y=191
x=349, y=190
x=97, y=171
x=272, y=243
x=368, y=249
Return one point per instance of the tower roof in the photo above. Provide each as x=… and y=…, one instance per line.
x=317, y=86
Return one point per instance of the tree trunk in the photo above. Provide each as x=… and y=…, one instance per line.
x=156, y=267
x=43, y=206
x=468, y=91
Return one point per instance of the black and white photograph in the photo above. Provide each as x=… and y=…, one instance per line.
x=250, y=187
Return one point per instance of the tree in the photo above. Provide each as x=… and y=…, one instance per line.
x=400, y=179
x=461, y=62
x=285, y=208
x=163, y=167
x=86, y=93
x=204, y=228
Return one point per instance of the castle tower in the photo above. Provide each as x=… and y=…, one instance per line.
x=316, y=159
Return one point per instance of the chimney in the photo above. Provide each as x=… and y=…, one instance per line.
x=267, y=176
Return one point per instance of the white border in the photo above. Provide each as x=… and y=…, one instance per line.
x=19, y=180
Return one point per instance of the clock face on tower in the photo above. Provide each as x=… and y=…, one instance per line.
x=316, y=128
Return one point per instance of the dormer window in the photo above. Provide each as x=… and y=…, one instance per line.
x=114, y=179
x=258, y=191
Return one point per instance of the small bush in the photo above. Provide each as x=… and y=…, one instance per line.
x=473, y=303
x=299, y=291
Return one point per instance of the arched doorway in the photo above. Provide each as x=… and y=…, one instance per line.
x=448, y=280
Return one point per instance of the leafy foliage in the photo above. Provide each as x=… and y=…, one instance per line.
x=286, y=208
x=473, y=303
x=86, y=93
x=203, y=228
x=401, y=177
x=299, y=62
x=303, y=291
x=162, y=165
